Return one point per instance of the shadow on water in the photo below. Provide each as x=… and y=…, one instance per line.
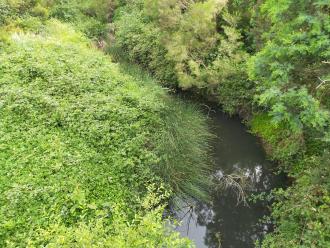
x=236, y=225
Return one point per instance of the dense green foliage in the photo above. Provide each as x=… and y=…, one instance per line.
x=267, y=61
x=289, y=66
x=302, y=212
x=89, y=17
x=91, y=151
x=178, y=42
x=84, y=145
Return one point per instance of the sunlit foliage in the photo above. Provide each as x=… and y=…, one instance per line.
x=80, y=155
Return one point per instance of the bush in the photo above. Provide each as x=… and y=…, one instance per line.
x=279, y=142
x=303, y=211
x=288, y=66
x=89, y=17
x=140, y=41
x=179, y=44
x=40, y=11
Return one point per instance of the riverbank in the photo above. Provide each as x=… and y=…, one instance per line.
x=86, y=150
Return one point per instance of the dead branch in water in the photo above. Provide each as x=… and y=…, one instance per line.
x=237, y=183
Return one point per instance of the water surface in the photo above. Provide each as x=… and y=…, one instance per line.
x=223, y=221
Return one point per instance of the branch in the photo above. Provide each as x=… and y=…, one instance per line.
x=209, y=109
x=323, y=81
x=236, y=183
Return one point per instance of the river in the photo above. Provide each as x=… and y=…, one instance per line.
x=224, y=222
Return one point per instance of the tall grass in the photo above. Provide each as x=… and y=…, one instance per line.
x=183, y=144
x=184, y=149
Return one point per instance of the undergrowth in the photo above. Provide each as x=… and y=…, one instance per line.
x=82, y=142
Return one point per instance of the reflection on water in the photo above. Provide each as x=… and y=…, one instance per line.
x=235, y=225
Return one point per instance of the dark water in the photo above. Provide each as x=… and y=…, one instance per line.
x=223, y=221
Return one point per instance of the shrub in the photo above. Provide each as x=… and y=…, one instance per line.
x=288, y=66
x=88, y=16
x=180, y=44
x=140, y=41
x=279, y=142
x=303, y=211
x=40, y=11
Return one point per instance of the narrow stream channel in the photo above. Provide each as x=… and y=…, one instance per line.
x=223, y=220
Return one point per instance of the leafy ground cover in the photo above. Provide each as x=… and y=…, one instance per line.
x=82, y=143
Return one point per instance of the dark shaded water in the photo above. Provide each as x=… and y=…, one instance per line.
x=223, y=221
